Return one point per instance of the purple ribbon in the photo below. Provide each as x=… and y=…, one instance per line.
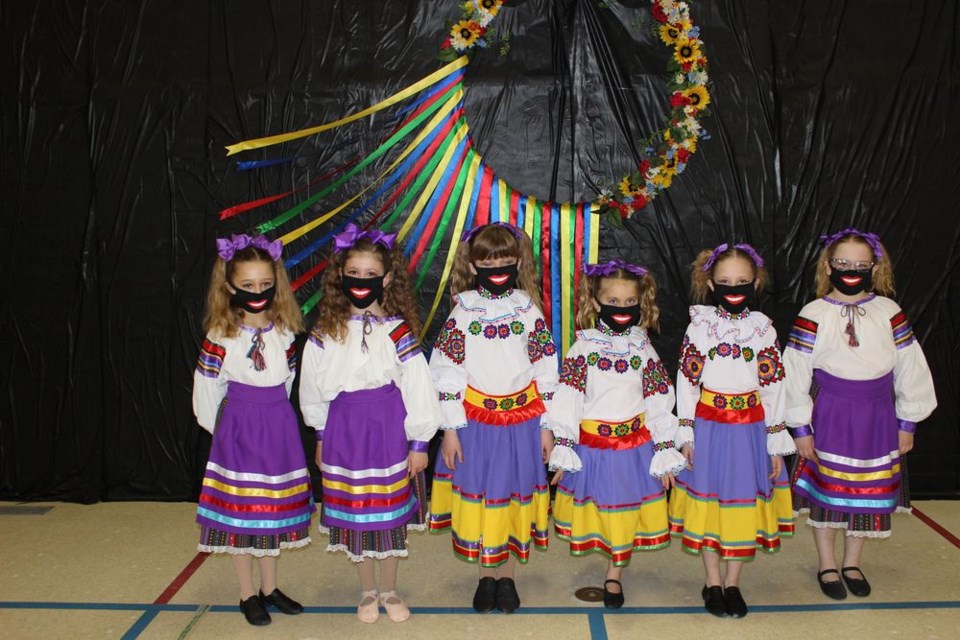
x=743, y=246
x=611, y=267
x=227, y=248
x=352, y=234
x=871, y=239
x=469, y=233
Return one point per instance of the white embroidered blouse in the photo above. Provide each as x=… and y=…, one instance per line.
x=730, y=354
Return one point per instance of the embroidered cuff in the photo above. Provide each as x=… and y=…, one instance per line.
x=776, y=428
x=546, y=396
x=319, y=435
x=564, y=442
x=419, y=446
x=780, y=443
x=667, y=461
x=450, y=397
x=907, y=426
x=801, y=431
x=663, y=446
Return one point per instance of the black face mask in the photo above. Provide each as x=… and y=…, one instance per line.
x=362, y=292
x=253, y=302
x=506, y=276
x=619, y=319
x=851, y=282
x=734, y=298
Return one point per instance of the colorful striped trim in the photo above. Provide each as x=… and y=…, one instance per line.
x=292, y=357
x=316, y=337
x=803, y=335
x=405, y=341
x=210, y=360
x=902, y=331
x=239, y=523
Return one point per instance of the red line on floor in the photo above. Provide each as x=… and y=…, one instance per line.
x=936, y=526
x=181, y=579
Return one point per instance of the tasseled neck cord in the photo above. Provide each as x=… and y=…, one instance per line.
x=256, y=351
x=367, y=330
x=850, y=312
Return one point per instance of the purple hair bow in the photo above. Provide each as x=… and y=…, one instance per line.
x=871, y=239
x=469, y=233
x=611, y=267
x=226, y=248
x=352, y=234
x=743, y=246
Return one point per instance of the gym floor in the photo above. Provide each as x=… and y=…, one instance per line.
x=131, y=570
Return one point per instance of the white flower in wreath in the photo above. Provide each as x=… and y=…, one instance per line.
x=697, y=77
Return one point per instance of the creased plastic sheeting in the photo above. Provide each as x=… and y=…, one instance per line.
x=115, y=116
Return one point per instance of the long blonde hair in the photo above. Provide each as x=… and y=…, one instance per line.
x=589, y=289
x=882, y=282
x=700, y=290
x=490, y=243
x=398, y=299
x=221, y=318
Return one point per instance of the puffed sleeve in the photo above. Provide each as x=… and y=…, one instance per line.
x=689, y=372
x=542, y=352
x=448, y=372
x=209, y=387
x=771, y=374
x=659, y=400
x=798, y=362
x=417, y=390
x=566, y=411
x=912, y=382
x=312, y=404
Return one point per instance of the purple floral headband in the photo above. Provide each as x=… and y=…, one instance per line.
x=611, y=267
x=226, y=248
x=871, y=239
x=743, y=246
x=352, y=234
x=470, y=233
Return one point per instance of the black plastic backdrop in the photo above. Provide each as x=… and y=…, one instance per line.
x=114, y=117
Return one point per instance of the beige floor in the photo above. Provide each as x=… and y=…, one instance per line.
x=95, y=572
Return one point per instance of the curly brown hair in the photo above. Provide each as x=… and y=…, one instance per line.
x=398, y=298
x=589, y=290
x=882, y=276
x=700, y=290
x=222, y=318
x=491, y=243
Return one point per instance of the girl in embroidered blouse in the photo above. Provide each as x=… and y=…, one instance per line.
x=255, y=500
x=366, y=389
x=735, y=496
x=495, y=367
x=612, y=417
x=870, y=386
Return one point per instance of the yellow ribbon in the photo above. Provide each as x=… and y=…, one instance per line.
x=594, y=245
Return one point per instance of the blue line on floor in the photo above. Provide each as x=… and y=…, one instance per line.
x=140, y=625
x=598, y=628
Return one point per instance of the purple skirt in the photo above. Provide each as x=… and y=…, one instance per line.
x=857, y=442
x=256, y=482
x=365, y=483
x=614, y=480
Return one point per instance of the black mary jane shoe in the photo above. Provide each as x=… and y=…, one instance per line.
x=612, y=599
x=713, y=601
x=282, y=602
x=254, y=611
x=508, y=600
x=833, y=589
x=485, y=598
x=857, y=586
x=736, y=605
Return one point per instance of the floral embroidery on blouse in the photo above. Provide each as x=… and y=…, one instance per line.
x=769, y=366
x=451, y=342
x=691, y=362
x=655, y=379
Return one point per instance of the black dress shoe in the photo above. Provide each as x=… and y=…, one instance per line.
x=857, y=586
x=834, y=589
x=283, y=603
x=736, y=606
x=485, y=598
x=713, y=601
x=508, y=600
x=611, y=599
x=254, y=611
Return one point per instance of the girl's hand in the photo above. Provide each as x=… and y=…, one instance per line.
x=557, y=477
x=416, y=462
x=805, y=448
x=546, y=444
x=776, y=464
x=906, y=441
x=450, y=448
x=687, y=451
x=668, y=481
x=319, y=457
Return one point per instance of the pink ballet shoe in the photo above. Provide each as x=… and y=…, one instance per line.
x=397, y=610
x=369, y=608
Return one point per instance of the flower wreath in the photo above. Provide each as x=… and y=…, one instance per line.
x=665, y=154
